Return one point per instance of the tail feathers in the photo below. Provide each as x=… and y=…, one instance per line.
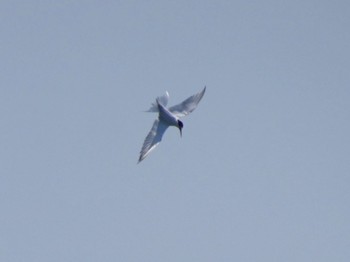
x=153, y=108
x=161, y=100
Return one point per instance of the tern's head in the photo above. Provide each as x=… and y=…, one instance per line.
x=180, y=125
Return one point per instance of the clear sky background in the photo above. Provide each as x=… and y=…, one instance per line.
x=262, y=172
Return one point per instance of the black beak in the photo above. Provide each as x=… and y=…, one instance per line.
x=180, y=126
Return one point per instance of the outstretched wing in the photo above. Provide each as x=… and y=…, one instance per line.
x=162, y=100
x=188, y=105
x=153, y=138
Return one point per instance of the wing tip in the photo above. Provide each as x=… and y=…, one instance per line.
x=142, y=157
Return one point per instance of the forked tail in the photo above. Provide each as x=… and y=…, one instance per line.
x=161, y=100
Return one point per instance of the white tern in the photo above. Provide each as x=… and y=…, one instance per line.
x=167, y=117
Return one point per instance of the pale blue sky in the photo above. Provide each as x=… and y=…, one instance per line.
x=262, y=172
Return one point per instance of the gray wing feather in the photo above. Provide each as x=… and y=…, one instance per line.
x=153, y=138
x=188, y=105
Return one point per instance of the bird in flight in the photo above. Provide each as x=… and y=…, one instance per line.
x=167, y=117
